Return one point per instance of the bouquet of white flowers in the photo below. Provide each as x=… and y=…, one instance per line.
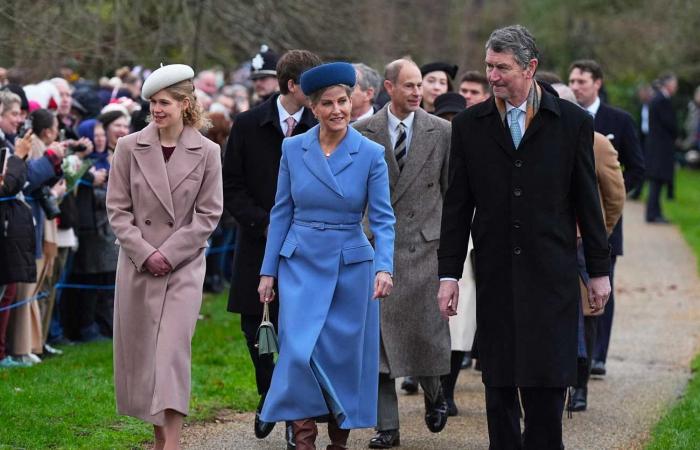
x=73, y=170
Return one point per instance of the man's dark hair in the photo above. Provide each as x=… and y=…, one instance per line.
x=666, y=77
x=517, y=40
x=588, y=65
x=42, y=119
x=548, y=77
x=474, y=76
x=292, y=64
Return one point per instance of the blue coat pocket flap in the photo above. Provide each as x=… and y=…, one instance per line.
x=358, y=254
x=288, y=248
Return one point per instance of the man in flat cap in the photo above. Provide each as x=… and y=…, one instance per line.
x=415, y=341
x=251, y=165
x=264, y=74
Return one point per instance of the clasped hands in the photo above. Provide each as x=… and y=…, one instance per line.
x=383, y=285
x=157, y=264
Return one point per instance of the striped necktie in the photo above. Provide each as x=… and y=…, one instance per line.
x=514, y=125
x=400, y=146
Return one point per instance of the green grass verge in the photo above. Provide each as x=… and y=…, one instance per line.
x=68, y=402
x=680, y=427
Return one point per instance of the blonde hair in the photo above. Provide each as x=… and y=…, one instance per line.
x=192, y=115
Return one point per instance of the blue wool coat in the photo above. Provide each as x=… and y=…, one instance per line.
x=328, y=322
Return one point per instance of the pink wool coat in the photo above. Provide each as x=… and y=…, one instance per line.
x=172, y=208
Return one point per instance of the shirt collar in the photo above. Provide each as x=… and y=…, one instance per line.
x=369, y=113
x=284, y=114
x=593, y=109
x=522, y=107
x=394, y=121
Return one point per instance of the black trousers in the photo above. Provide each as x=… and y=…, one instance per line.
x=653, y=201
x=543, y=408
x=264, y=365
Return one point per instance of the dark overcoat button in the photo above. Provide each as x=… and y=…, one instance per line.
x=147, y=221
x=517, y=224
x=170, y=223
x=518, y=163
x=517, y=192
x=431, y=185
x=517, y=250
x=411, y=214
x=412, y=249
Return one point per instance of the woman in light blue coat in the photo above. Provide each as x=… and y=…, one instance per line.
x=328, y=274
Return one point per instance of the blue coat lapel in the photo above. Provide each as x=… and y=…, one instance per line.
x=325, y=170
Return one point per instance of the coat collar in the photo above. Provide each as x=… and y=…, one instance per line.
x=164, y=179
x=271, y=116
x=326, y=169
x=499, y=132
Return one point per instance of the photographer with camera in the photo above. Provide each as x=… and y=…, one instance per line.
x=16, y=236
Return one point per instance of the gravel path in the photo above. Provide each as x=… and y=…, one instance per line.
x=655, y=336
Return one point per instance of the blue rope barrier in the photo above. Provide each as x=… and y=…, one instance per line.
x=104, y=287
x=7, y=199
x=222, y=249
x=39, y=296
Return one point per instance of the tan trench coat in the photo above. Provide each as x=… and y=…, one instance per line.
x=172, y=208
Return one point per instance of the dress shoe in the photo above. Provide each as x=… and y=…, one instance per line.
x=410, y=385
x=451, y=408
x=289, y=436
x=262, y=428
x=579, y=399
x=385, y=439
x=436, y=413
x=658, y=219
x=598, y=368
x=467, y=361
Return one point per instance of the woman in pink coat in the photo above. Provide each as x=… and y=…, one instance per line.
x=164, y=199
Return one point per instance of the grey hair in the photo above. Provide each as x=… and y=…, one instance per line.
x=7, y=99
x=367, y=78
x=517, y=40
x=565, y=92
x=315, y=97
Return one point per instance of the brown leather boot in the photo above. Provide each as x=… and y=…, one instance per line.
x=305, y=432
x=338, y=436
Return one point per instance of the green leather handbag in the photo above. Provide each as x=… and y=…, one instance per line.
x=266, y=336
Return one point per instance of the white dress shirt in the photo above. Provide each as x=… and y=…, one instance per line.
x=284, y=114
x=393, y=124
x=369, y=113
x=593, y=109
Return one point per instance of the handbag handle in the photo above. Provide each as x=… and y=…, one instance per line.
x=266, y=312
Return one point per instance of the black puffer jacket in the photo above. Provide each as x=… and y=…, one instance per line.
x=17, y=241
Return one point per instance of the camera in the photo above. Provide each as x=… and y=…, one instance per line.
x=47, y=201
x=77, y=148
x=26, y=126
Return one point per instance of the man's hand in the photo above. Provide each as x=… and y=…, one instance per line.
x=448, y=298
x=383, y=284
x=157, y=264
x=266, y=289
x=598, y=292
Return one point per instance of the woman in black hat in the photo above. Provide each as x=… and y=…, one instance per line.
x=436, y=81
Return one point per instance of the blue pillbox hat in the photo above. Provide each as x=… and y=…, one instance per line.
x=326, y=75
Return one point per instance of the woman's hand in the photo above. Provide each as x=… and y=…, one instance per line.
x=59, y=188
x=157, y=264
x=23, y=146
x=266, y=289
x=383, y=284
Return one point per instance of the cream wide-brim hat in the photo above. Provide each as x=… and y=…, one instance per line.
x=165, y=76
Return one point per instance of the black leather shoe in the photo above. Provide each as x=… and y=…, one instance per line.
x=451, y=408
x=579, y=399
x=410, y=385
x=262, y=429
x=598, y=368
x=436, y=413
x=385, y=439
x=466, y=362
x=289, y=437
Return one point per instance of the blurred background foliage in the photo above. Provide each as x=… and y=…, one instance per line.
x=634, y=40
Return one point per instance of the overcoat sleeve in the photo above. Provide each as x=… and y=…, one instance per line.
x=457, y=211
x=15, y=176
x=280, y=217
x=237, y=199
x=610, y=181
x=632, y=157
x=380, y=213
x=208, y=206
x=120, y=208
x=584, y=189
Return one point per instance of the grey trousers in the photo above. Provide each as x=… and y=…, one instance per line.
x=388, y=403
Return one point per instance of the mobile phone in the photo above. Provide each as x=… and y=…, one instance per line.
x=26, y=126
x=3, y=155
x=61, y=135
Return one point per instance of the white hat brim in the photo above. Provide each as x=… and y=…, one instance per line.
x=165, y=76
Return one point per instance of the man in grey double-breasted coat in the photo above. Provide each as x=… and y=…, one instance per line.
x=415, y=340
